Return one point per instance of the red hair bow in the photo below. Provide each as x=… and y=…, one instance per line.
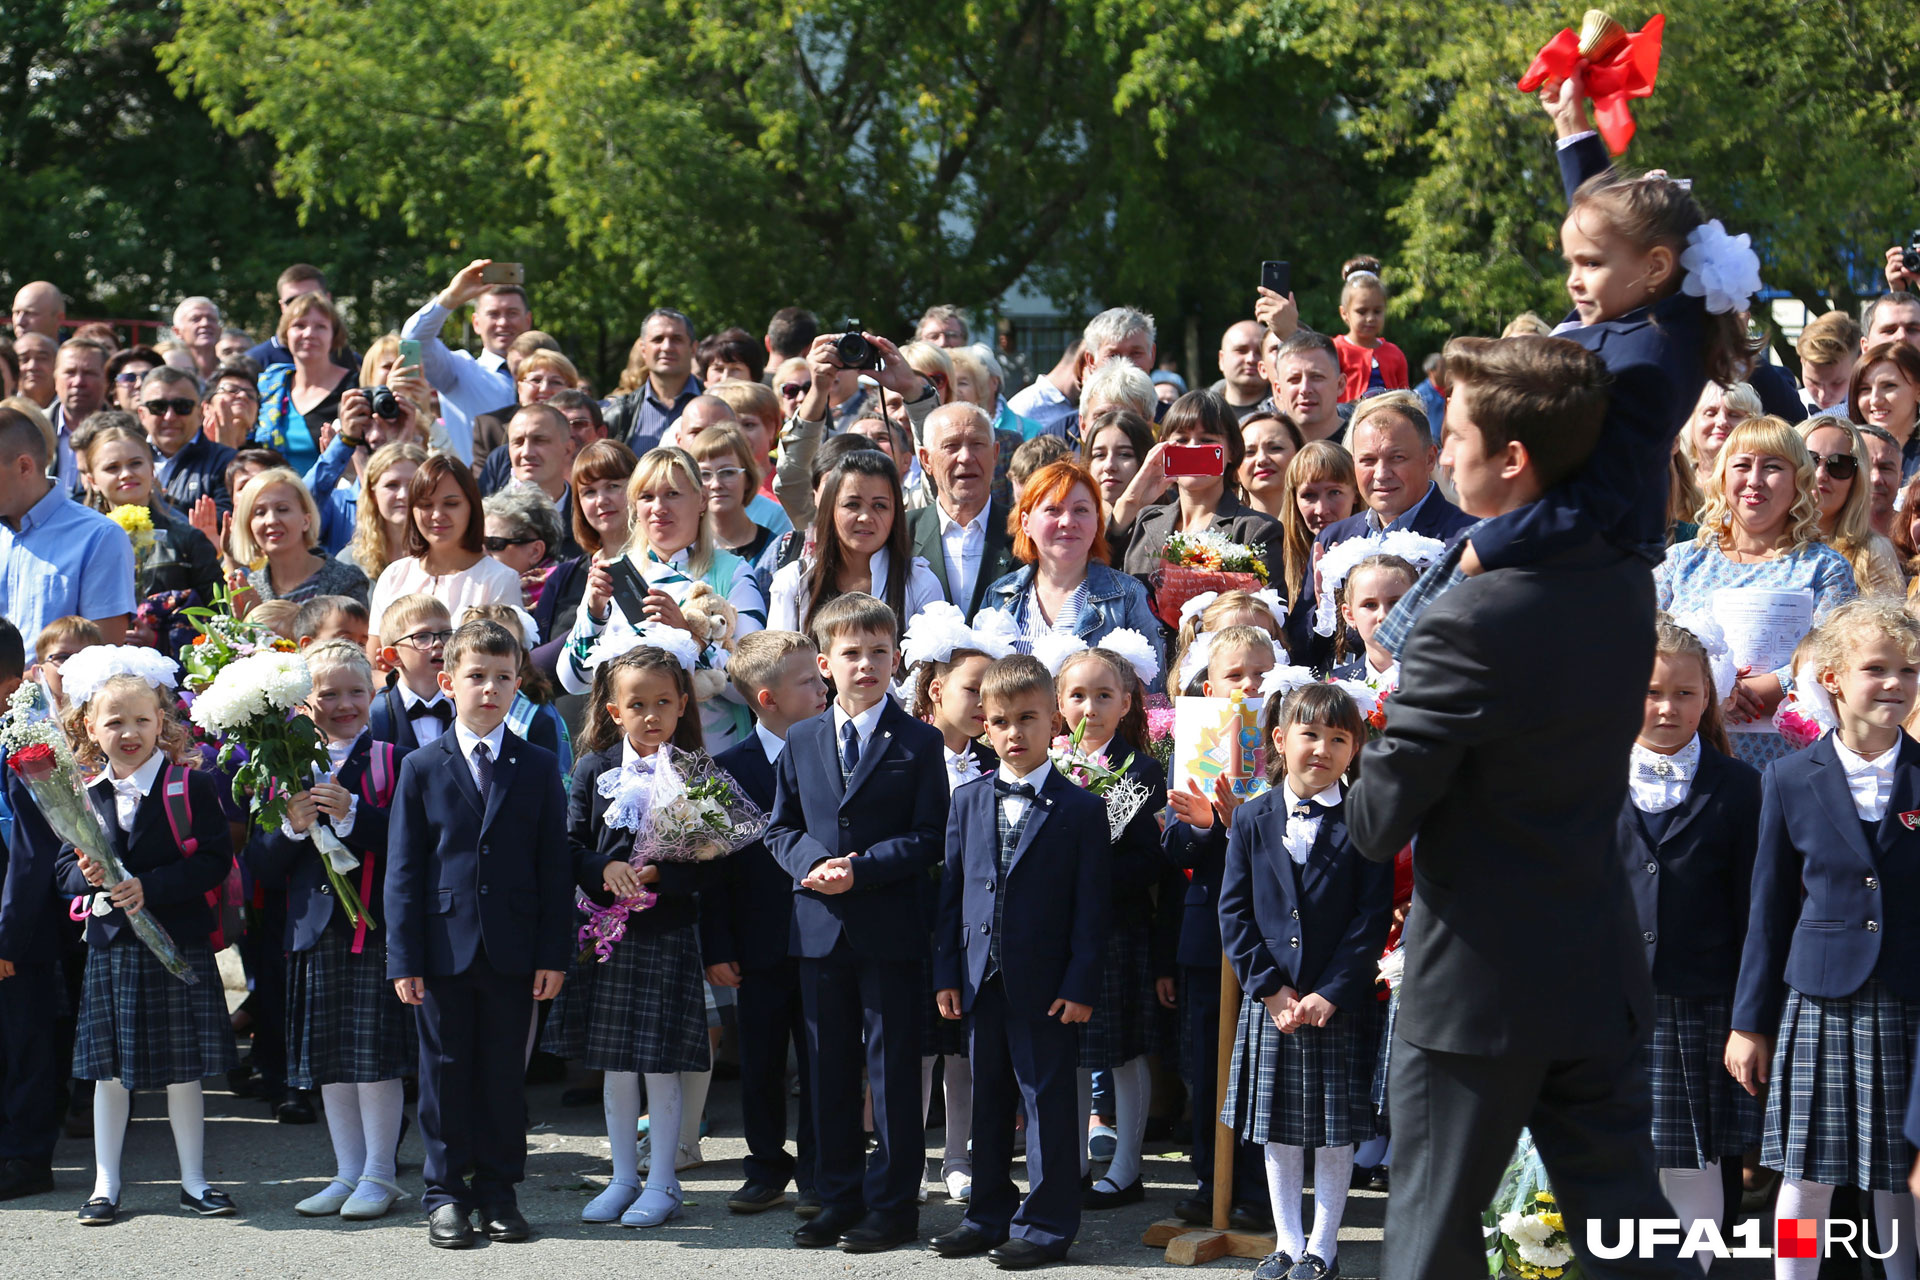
x=1617, y=71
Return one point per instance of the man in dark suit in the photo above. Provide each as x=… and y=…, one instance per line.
x=1394, y=453
x=963, y=537
x=1505, y=756
x=860, y=805
x=479, y=897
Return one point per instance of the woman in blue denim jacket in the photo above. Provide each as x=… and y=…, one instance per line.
x=1059, y=530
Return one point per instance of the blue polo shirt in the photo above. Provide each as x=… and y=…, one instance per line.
x=64, y=559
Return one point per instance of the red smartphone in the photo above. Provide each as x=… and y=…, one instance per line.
x=1195, y=460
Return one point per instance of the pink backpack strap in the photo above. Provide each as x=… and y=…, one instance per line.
x=176, y=798
x=376, y=784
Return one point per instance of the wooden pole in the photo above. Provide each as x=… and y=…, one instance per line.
x=1224, y=1138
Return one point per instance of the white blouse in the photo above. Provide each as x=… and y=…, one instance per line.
x=789, y=590
x=488, y=582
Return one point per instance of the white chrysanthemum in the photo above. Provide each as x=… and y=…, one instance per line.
x=250, y=687
x=1136, y=649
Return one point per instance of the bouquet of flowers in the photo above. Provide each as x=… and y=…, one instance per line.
x=1123, y=795
x=1203, y=561
x=249, y=686
x=40, y=755
x=681, y=807
x=1526, y=1235
x=1160, y=729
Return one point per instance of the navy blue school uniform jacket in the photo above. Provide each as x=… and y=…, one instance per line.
x=1136, y=857
x=1052, y=923
x=1317, y=926
x=892, y=812
x=746, y=913
x=1833, y=904
x=1203, y=854
x=295, y=865
x=34, y=928
x=1690, y=884
x=388, y=719
x=593, y=844
x=461, y=874
x=175, y=882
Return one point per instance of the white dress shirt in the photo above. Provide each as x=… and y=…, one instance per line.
x=961, y=767
x=863, y=725
x=1659, y=782
x=771, y=744
x=1302, y=832
x=129, y=791
x=1869, y=778
x=467, y=740
x=789, y=590
x=469, y=385
x=425, y=728
x=1015, y=806
x=965, y=545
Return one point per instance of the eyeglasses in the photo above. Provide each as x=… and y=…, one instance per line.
x=501, y=544
x=129, y=378
x=231, y=387
x=424, y=640
x=59, y=659
x=794, y=390
x=180, y=407
x=722, y=475
x=1839, y=466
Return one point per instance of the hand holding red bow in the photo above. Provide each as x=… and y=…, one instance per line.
x=1612, y=80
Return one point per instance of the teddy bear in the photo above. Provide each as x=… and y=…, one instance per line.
x=712, y=621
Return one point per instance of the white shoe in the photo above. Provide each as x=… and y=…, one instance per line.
x=688, y=1157
x=611, y=1203
x=371, y=1199
x=960, y=1185
x=326, y=1202
x=655, y=1206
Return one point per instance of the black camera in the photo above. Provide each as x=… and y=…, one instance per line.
x=854, y=350
x=1910, y=256
x=380, y=398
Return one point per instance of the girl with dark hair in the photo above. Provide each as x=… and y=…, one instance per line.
x=860, y=543
x=446, y=550
x=1203, y=501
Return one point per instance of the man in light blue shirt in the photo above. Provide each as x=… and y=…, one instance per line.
x=57, y=558
x=470, y=385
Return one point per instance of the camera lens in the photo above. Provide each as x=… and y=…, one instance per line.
x=380, y=399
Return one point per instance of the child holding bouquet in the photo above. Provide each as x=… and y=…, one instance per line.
x=142, y=1027
x=640, y=1010
x=348, y=1035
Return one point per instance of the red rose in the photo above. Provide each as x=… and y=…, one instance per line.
x=33, y=762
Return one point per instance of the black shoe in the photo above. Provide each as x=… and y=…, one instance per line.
x=1094, y=1198
x=504, y=1225
x=1379, y=1180
x=806, y=1204
x=1020, y=1255
x=98, y=1212
x=296, y=1109
x=756, y=1197
x=450, y=1227
x=1250, y=1217
x=824, y=1230
x=878, y=1232
x=24, y=1178
x=1273, y=1267
x=215, y=1204
x=964, y=1241
x=1197, y=1210
x=1311, y=1268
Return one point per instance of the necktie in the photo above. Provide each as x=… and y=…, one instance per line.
x=849, y=748
x=1021, y=789
x=483, y=765
x=441, y=710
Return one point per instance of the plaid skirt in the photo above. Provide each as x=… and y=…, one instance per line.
x=1700, y=1112
x=939, y=1037
x=345, y=1025
x=1839, y=1094
x=1313, y=1088
x=1379, y=1092
x=144, y=1027
x=643, y=1010
x=1121, y=1028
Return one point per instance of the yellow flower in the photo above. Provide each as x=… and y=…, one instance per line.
x=1553, y=1220
x=1544, y=1197
x=135, y=520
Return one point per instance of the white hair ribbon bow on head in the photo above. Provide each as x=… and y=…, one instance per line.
x=615, y=641
x=1278, y=682
x=1193, y=663
x=1197, y=605
x=1722, y=269
x=1719, y=654
x=1055, y=647
x=1136, y=649
x=82, y=675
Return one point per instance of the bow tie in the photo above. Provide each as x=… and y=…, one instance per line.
x=441, y=711
x=1659, y=767
x=1022, y=789
x=1305, y=809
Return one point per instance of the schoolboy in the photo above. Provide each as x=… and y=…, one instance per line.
x=747, y=917
x=1020, y=946
x=860, y=802
x=58, y=641
x=479, y=897
x=414, y=709
x=330, y=618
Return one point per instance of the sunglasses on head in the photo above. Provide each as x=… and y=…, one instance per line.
x=180, y=407
x=501, y=544
x=1840, y=466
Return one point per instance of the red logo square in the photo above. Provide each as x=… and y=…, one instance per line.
x=1796, y=1237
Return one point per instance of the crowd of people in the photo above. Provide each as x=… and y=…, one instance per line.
x=917, y=566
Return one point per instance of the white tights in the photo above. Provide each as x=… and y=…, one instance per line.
x=957, y=1081
x=186, y=1113
x=1132, y=1092
x=364, y=1122
x=620, y=1093
x=1696, y=1196
x=1893, y=1219
x=1286, y=1181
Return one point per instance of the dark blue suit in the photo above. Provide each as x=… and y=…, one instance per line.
x=747, y=920
x=1832, y=906
x=1052, y=908
x=861, y=951
x=1317, y=927
x=1656, y=357
x=478, y=897
x=293, y=867
x=1690, y=881
x=1436, y=518
x=34, y=930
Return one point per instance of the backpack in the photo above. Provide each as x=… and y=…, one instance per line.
x=224, y=900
